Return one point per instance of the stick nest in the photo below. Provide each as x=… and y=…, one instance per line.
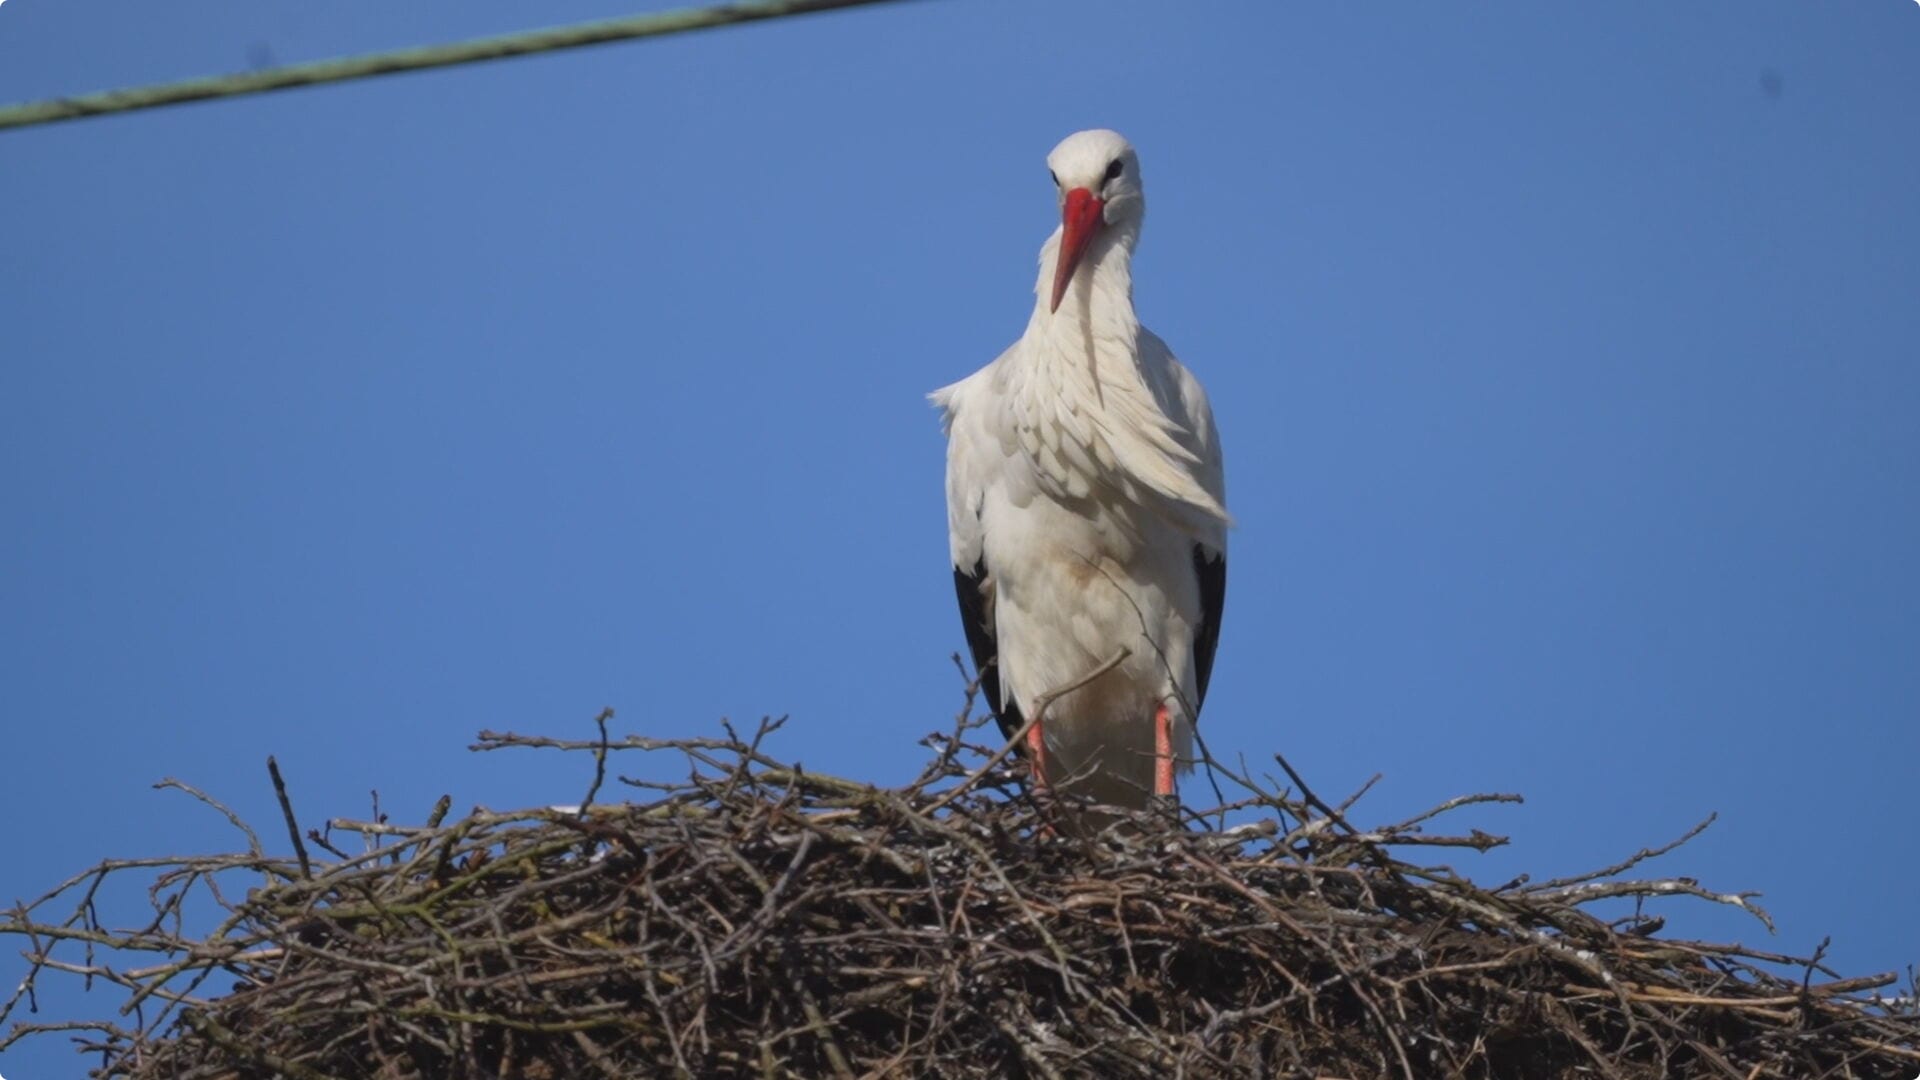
x=756, y=920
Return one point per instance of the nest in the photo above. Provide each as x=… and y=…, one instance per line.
x=758, y=920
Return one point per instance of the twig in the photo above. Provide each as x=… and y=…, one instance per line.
x=286, y=811
x=1018, y=738
x=253, y=841
x=599, y=761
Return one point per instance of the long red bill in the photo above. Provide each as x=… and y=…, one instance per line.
x=1080, y=219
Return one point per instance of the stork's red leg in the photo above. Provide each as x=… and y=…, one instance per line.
x=1037, y=751
x=1163, y=752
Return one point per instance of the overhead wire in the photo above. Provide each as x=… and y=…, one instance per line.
x=422, y=58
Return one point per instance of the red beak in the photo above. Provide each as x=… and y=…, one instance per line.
x=1080, y=220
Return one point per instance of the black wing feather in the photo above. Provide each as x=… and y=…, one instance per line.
x=1212, y=570
x=976, y=614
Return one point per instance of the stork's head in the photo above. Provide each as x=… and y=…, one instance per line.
x=1098, y=175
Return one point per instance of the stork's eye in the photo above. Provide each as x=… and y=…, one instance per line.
x=1056, y=177
x=1114, y=170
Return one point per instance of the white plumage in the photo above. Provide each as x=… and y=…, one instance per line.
x=1086, y=506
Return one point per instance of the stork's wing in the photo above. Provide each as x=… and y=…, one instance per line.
x=975, y=589
x=1211, y=566
x=971, y=466
x=1195, y=415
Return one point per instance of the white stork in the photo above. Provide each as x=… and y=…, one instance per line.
x=1086, y=507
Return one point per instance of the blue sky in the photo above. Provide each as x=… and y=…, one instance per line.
x=1567, y=362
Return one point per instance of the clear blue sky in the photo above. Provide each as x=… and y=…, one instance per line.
x=1568, y=364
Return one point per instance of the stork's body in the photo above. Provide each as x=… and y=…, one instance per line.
x=1086, y=507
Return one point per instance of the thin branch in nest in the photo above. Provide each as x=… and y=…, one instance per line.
x=286, y=810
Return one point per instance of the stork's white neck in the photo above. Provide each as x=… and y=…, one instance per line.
x=1098, y=302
